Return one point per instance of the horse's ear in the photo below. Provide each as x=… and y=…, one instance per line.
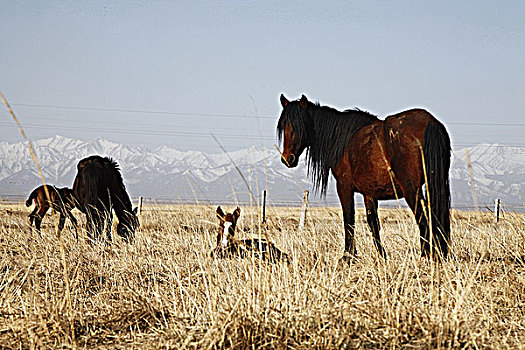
x=237, y=213
x=303, y=102
x=136, y=210
x=220, y=213
x=284, y=101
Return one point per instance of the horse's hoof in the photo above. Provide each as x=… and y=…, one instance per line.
x=348, y=258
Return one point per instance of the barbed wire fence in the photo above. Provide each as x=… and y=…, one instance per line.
x=156, y=128
x=316, y=203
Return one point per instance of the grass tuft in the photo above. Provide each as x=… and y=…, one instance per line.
x=165, y=291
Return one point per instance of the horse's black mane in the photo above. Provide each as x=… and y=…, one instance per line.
x=326, y=131
x=101, y=161
x=108, y=167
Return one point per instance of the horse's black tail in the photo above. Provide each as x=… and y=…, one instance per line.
x=32, y=196
x=436, y=150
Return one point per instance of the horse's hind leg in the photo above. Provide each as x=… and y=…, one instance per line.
x=416, y=203
x=373, y=223
x=39, y=216
x=409, y=176
x=32, y=216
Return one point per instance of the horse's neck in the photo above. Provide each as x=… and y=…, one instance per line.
x=121, y=202
x=121, y=213
x=319, y=119
x=330, y=132
x=316, y=122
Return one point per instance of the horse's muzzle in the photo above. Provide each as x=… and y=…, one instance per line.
x=291, y=161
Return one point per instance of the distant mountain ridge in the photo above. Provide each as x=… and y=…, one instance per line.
x=167, y=174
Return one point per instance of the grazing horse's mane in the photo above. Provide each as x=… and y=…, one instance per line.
x=325, y=131
x=105, y=164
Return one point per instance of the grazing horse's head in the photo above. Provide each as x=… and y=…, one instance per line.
x=226, y=232
x=293, y=126
x=128, y=224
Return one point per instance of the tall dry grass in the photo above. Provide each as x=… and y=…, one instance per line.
x=164, y=291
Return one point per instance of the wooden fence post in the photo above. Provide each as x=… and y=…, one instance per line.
x=303, y=210
x=139, y=207
x=471, y=176
x=496, y=209
x=263, y=207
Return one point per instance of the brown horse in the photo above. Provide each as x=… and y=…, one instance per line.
x=381, y=159
x=61, y=200
x=228, y=246
x=98, y=190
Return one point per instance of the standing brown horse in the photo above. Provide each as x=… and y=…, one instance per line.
x=61, y=200
x=381, y=159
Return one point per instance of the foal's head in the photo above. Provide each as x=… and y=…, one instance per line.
x=227, y=223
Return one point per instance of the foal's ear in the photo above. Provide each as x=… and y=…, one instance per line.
x=220, y=213
x=303, y=102
x=236, y=213
x=284, y=101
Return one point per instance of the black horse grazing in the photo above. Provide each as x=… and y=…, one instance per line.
x=60, y=200
x=98, y=189
x=381, y=159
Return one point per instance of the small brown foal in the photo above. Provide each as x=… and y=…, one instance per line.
x=228, y=246
x=61, y=200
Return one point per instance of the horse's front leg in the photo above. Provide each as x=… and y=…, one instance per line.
x=61, y=221
x=74, y=222
x=346, y=197
x=373, y=223
x=91, y=224
x=107, y=224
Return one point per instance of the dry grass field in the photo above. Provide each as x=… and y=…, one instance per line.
x=165, y=291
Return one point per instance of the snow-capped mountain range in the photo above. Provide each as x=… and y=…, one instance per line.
x=166, y=174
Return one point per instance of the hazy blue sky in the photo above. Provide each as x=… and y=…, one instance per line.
x=214, y=66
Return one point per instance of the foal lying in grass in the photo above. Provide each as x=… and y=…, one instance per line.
x=228, y=246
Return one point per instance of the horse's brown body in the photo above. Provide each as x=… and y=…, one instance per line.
x=60, y=200
x=375, y=165
x=384, y=159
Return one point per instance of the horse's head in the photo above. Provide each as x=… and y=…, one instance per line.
x=127, y=225
x=226, y=231
x=294, y=127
